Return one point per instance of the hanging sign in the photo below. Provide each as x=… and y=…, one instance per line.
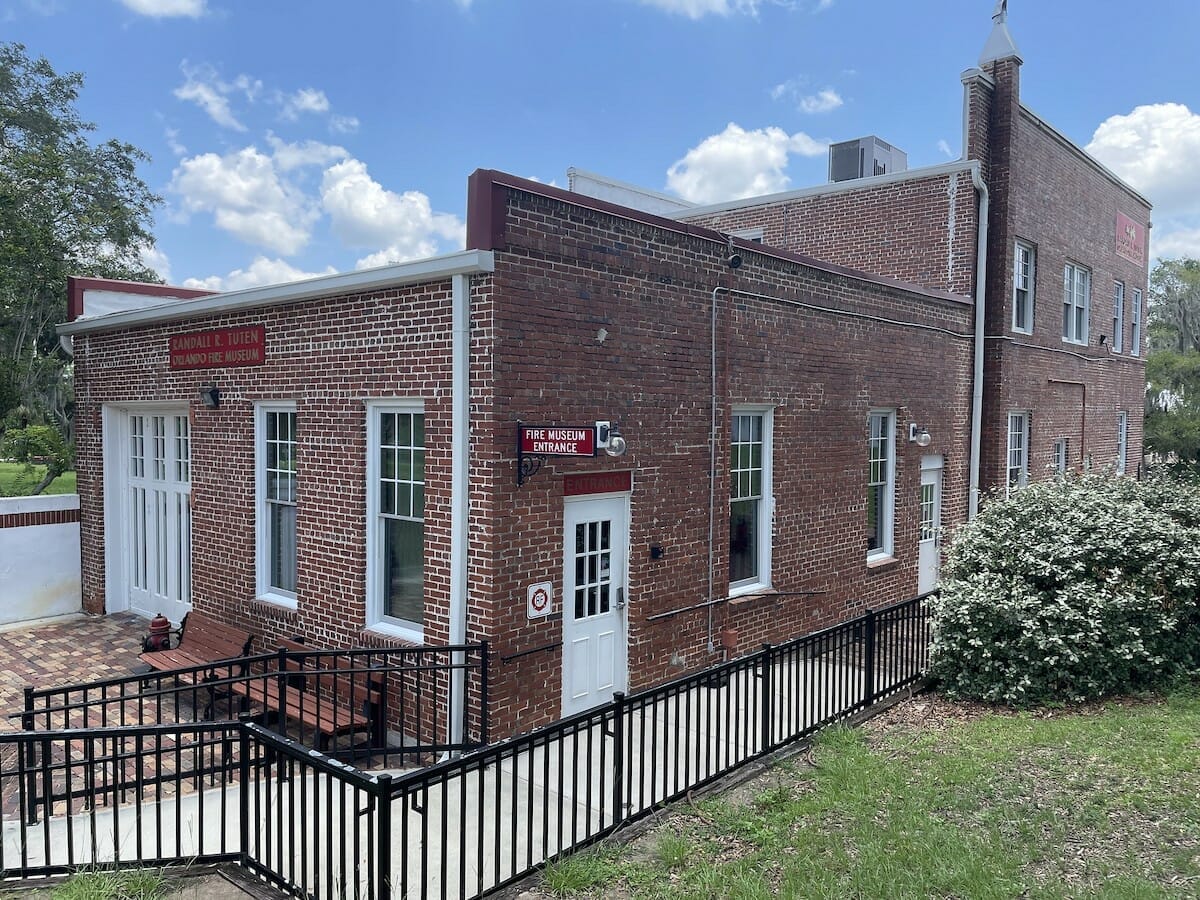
x=541, y=599
x=244, y=346
x=552, y=440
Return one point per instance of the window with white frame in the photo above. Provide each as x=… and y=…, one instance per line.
x=750, y=499
x=396, y=517
x=881, y=482
x=275, y=430
x=1122, y=440
x=1135, y=335
x=1077, y=292
x=1024, y=278
x=1018, y=452
x=1118, y=317
x=1061, y=449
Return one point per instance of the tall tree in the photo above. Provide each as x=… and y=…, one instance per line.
x=1172, y=425
x=68, y=206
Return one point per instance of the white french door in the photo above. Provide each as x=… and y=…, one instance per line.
x=595, y=550
x=156, y=513
x=929, y=549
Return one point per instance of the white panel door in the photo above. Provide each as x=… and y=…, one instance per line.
x=158, y=518
x=595, y=548
x=929, y=548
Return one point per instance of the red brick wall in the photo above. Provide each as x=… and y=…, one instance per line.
x=920, y=229
x=568, y=272
x=1047, y=193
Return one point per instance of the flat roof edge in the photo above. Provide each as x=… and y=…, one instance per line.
x=837, y=187
x=436, y=268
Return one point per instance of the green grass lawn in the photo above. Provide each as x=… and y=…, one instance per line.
x=936, y=799
x=16, y=482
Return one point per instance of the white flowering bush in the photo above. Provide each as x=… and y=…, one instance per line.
x=1070, y=590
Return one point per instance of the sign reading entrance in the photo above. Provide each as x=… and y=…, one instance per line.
x=244, y=346
x=597, y=483
x=540, y=599
x=554, y=441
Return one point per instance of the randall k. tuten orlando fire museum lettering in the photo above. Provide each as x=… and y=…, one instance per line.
x=243, y=346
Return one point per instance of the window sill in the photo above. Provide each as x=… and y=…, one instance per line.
x=1074, y=343
x=277, y=600
x=750, y=594
x=387, y=629
x=1023, y=333
x=881, y=562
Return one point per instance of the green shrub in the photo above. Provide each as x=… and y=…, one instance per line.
x=1071, y=590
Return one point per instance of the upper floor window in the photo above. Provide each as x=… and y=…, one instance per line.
x=1077, y=292
x=1018, y=452
x=1024, y=277
x=396, y=517
x=749, y=499
x=1135, y=335
x=881, y=483
x=1122, y=440
x=275, y=428
x=1118, y=317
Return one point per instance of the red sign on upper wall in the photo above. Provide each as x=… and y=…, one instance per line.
x=556, y=441
x=245, y=346
x=1131, y=240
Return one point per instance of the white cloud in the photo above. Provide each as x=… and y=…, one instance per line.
x=163, y=9
x=343, y=124
x=737, y=163
x=247, y=198
x=1173, y=244
x=1155, y=149
x=203, y=87
x=697, y=9
x=365, y=214
x=260, y=272
x=944, y=148
x=305, y=100
x=176, y=146
x=821, y=102
x=289, y=156
x=153, y=258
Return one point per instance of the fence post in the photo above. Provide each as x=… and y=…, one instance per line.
x=484, y=648
x=30, y=760
x=869, y=658
x=618, y=758
x=383, y=853
x=767, y=688
x=244, y=793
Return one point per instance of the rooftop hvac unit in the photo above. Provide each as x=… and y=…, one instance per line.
x=863, y=158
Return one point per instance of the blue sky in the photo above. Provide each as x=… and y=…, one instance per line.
x=302, y=137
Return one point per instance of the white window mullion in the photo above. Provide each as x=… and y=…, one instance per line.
x=881, y=483
x=276, y=502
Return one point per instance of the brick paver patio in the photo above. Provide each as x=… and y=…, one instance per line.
x=87, y=648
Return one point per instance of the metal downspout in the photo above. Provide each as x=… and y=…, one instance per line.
x=459, y=507
x=980, y=297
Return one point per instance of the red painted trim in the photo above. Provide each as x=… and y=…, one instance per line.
x=46, y=517
x=486, y=217
x=585, y=483
x=77, y=284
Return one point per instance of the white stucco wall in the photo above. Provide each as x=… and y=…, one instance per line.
x=39, y=564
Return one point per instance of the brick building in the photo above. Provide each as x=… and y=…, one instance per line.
x=412, y=453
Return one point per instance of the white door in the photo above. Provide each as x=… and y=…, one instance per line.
x=929, y=549
x=595, y=548
x=157, y=513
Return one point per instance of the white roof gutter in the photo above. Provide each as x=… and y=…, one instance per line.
x=437, y=268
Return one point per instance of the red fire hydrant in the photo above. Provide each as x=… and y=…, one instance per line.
x=159, y=637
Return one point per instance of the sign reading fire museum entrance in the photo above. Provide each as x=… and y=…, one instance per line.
x=224, y=347
x=553, y=441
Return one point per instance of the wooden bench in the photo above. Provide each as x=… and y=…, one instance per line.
x=202, y=640
x=322, y=694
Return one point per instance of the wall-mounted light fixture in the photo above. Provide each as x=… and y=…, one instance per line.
x=616, y=443
x=919, y=435
x=210, y=396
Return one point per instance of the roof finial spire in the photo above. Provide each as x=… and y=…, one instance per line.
x=1001, y=13
x=1000, y=44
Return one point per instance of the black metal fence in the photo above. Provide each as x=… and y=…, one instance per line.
x=461, y=828
x=341, y=701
